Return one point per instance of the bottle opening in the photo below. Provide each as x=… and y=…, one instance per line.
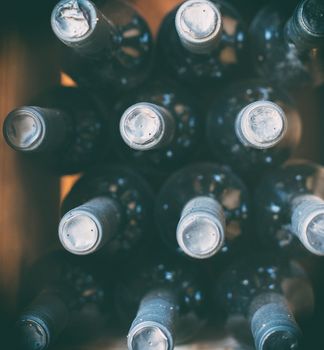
x=149, y=337
x=32, y=335
x=79, y=232
x=313, y=16
x=315, y=233
x=284, y=339
x=199, y=24
x=262, y=124
x=24, y=129
x=142, y=126
x=73, y=20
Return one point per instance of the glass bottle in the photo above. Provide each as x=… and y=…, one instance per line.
x=166, y=302
x=65, y=130
x=110, y=46
x=202, y=210
x=252, y=126
x=266, y=294
x=109, y=208
x=68, y=298
x=288, y=47
x=202, y=41
x=159, y=126
x=289, y=208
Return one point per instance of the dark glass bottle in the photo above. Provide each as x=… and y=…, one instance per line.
x=202, y=41
x=289, y=208
x=109, y=206
x=106, y=47
x=159, y=126
x=69, y=298
x=66, y=130
x=252, y=127
x=267, y=294
x=167, y=302
x=289, y=50
x=202, y=210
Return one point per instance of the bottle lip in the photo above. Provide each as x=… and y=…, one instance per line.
x=36, y=330
x=80, y=232
x=24, y=129
x=261, y=124
x=304, y=23
x=190, y=240
x=199, y=25
x=78, y=25
x=155, y=333
x=142, y=126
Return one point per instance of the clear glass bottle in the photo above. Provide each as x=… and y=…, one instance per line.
x=110, y=46
x=165, y=301
x=70, y=299
x=202, y=41
x=262, y=296
x=159, y=126
x=202, y=210
x=109, y=208
x=289, y=208
x=65, y=130
x=288, y=47
x=252, y=126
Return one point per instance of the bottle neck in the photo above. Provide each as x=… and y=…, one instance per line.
x=42, y=321
x=305, y=29
x=272, y=324
x=146, y=126
x=261, y=125
x=155, y=322
x=82, y=27
x=36, y=129
x=307, y=222
x=86, y=228
x=199, y=26
x=201, y=228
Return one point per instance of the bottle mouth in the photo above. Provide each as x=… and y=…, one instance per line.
x=142, y=126
x=199, y=25
x=80, y=232
x=73, y=20
x=33, y=334
x=24, y=129
x=311, y=15
x=261, y=124
x=314, y=229
x=283, y=337
x=149, y=336
x=200, y=235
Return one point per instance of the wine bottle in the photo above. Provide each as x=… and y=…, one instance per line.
x=159, y=126
x=252, y=126
x=107, y=47
x=202, y=41
x=109, y=206
x=290, y=208
x=65, y=130
x=289, y=50
x=65, y=292
x=166, y=301
x=202, y=210
x=267, y=293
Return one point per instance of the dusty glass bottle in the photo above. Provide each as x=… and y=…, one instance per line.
x=267, y=294
x=69, y=299
x=289, y=208
x=108, y=208
x=202, y=210
x=252, y=126
x=159, y=126
x=288, y=47
x=202, y=41
x=65, y=130
x=110, y=46
x=165, y=301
